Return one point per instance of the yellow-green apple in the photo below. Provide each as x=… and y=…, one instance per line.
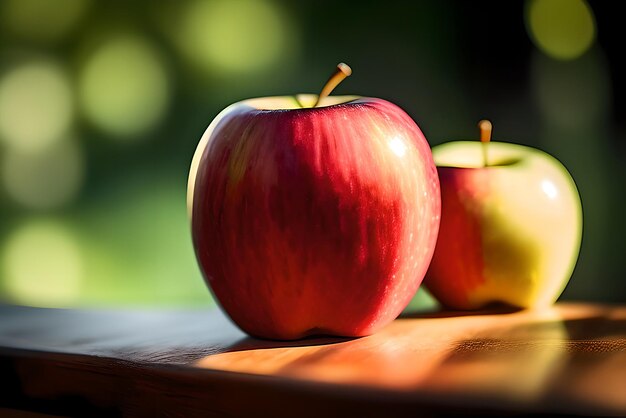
x=511, y=225
x=313, y=215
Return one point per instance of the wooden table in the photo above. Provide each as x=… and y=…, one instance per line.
x=570, y=360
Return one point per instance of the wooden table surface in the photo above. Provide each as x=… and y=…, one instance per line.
x=570, y=359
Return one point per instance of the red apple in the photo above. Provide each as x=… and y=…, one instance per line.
x=313, y=220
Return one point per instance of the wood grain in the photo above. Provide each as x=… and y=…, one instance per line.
x=570, y=359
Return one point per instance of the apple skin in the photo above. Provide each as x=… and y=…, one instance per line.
x=509, y=233
x=313, y=221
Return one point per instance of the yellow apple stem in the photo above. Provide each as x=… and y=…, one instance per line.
x=342, y=71
x=485, y=136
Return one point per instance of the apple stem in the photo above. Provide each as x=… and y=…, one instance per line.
x=342, y=71
x=485, y=128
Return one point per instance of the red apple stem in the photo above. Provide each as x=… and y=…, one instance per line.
x=485, y=128
x=342, y=71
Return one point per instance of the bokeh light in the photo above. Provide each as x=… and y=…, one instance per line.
x=234, y=36
x=36, y=106
x=145, y=79
x=124, y=87
x=42, y=264
x=571, y=94
x=562, y=29
x=574, y=98
x=46, y=179
x=137, y=244
x=42, y=20
x=422, y=301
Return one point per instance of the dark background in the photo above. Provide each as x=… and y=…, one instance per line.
x=92, y=208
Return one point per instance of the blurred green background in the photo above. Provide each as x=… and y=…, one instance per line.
x=103, y=103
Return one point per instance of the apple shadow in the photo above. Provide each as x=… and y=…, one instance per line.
x=558, y=357
x=597, y=327
x=592, y=335
x=580, y=333
x=492, y=309
x=253, y=343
